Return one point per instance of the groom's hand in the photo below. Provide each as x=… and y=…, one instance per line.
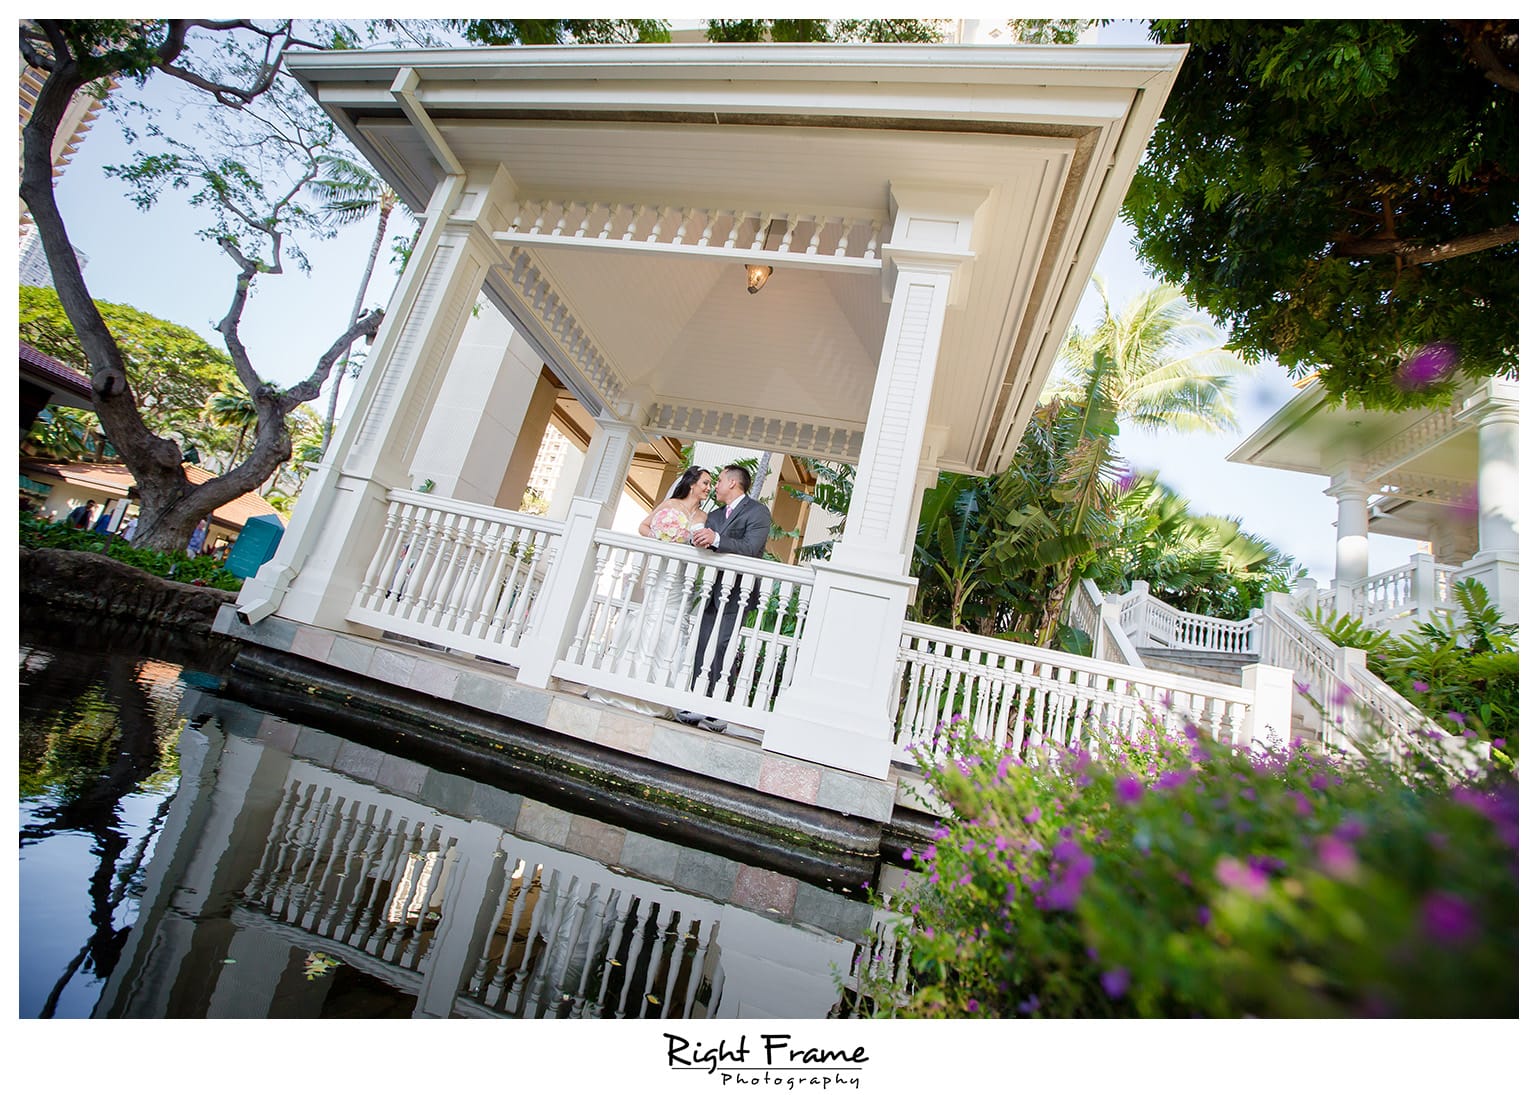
x=703, y=538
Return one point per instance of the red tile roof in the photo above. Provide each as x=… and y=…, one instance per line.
x=55, y=371
x=114, y=479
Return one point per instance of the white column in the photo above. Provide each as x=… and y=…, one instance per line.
x=1269, y=725
x=479, y=413
x=1495, y=408
x=835, y=710
x=605, y=465
x=340, y=512
x=1350, y=496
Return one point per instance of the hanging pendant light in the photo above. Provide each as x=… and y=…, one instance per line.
x=757, y=275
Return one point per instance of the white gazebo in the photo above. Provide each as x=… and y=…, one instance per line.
x=931, y=216
x=1446, y=475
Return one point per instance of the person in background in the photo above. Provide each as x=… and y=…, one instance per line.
x=82, y=516
x=128, y=528
x=199, y=534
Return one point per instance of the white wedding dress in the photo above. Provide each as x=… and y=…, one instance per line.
x=647, y=643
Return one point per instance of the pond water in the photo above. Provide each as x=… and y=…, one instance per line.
x=185, y=855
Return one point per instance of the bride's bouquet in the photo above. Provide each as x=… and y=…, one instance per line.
x=670, y=526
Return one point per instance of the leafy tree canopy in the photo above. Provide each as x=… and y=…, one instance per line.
x=1344, y=195
x=172, y=369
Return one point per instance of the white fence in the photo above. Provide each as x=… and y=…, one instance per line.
x=1019, y=696
x=1148, y=621
x=457, y=574
x=660, y=618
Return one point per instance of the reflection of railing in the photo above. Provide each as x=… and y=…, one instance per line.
x=456, y=574
x=355, y=872
x=1021, y=695
x=565, y=947
x=376, y=876
x=656, y=611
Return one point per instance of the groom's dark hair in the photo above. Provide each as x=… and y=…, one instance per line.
x=739, y=473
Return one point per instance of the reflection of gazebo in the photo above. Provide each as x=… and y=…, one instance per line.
x=1445, y=474
x=931, y=216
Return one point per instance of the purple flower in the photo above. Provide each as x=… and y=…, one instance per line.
x=1115, y=982
x=1034, y=816
x=1029, y=1004
x=1420, y=686
x=1129, y=790
x=1070, y=867
x=1171, y=779
x=907, y=855
x=1336, y=858
x=1240, y=876
x=1350, y=830
x=1457, y=716
x=1301, y=804
x=1427, y=365
x=972, y=1005
x=1302, y=687
x=1204, y=916
x=1498, y=743
x=1447, y=918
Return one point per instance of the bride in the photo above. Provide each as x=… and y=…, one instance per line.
x=648, y=655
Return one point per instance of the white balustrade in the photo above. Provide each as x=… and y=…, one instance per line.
x=1019, y=696
x=649, y=615
x=1167, y=626
x=456, y=574
x=790, y=237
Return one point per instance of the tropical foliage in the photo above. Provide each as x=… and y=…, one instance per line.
x=1343, y=195
x=1196, y=562
x=1173, y=878
x=1463, y=671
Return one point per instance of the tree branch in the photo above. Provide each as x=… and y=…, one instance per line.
x=1417, y=253
x=366, y=326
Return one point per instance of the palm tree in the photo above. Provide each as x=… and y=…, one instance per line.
x=236, y=411
x=1167, y=371
x=352, y=193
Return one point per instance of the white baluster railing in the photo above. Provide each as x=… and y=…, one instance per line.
x=1018, y=695
x=792, y=237
x=1099, y=617
x=456, y=574
x=1359, y=711
x=644, y=620
x=1148, y=621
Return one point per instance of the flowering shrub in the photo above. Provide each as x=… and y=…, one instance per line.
x=1179, y=878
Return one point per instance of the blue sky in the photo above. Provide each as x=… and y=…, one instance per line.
x=155, y=262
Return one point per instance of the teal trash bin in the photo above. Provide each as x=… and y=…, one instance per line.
x=257, y=542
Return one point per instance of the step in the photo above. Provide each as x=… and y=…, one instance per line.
x=1207, y=665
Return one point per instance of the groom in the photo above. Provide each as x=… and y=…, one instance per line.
x=738, y=526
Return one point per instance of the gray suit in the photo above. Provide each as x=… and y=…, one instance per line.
x=745, y=532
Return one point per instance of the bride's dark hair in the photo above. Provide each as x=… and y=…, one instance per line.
x=686, y=482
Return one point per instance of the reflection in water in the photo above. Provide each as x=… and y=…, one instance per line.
x=242, y=865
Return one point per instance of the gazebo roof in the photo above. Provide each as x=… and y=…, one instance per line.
x=803, y=150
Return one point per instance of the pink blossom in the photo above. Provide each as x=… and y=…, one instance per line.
x=1128, y=789
x=1240, y=876
x=1420, y=686
x=1337, y=858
